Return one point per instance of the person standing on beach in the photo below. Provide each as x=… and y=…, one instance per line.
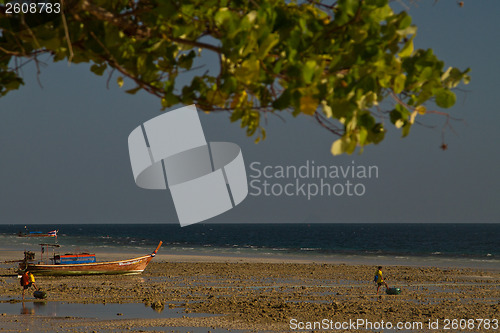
x=27, y=280
x=379, y=279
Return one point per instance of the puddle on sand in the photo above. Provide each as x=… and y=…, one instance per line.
x=98, y=311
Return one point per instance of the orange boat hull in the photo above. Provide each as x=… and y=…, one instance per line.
x=131, y=266
x=128, y=266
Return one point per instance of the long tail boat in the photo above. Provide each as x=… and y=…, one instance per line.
x=85, y=264
x=27, y=233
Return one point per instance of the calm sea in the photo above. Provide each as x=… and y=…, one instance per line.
x=470, y=242
x=475, y=245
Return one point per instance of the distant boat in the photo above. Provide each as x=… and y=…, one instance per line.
x=27, y=233
x=85, y=264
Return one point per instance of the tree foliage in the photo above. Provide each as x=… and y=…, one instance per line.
x=349, y=64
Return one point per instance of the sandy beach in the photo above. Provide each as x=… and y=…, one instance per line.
x=200, y=294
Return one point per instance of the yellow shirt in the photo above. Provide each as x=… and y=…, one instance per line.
x=380, y=279
x=32, y=278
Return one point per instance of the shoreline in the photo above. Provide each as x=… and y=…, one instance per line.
x=231, y=257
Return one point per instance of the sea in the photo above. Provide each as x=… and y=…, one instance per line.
x=469, y=245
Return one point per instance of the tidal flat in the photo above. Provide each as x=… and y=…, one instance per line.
x=249, y=294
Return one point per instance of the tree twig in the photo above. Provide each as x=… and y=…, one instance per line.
x=66, y=33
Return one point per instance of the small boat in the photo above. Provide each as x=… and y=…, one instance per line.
x=84, y=264
x=27, y=233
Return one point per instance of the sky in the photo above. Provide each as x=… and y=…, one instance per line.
x=64, y=154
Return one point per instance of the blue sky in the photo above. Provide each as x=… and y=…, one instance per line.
x=64, y=155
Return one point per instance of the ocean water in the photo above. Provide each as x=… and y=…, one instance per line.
x=469, y=242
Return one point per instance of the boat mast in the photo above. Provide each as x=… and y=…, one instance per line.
x=47, y=246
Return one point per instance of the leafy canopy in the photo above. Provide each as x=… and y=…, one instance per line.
x=351, y=64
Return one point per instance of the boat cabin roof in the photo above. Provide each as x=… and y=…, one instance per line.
x=53, y=245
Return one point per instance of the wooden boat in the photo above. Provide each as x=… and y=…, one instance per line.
x=27, y=233
x=88, y=266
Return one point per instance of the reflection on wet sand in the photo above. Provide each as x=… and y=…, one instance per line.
x=27, y=310
x=31, y=310
x=107, y=311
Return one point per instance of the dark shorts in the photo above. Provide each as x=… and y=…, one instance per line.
x=28, y=285
x=380, y=283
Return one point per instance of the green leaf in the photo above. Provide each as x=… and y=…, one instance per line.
x=350, y=6
x=268, y=44
x=308, y=105
x=407, y=49
x=381, y=13
x=405, y=22
x=376, y=133
x=398, y=116
x=308, y=71
x=362, y=135
x=133, y=91
x=249, y=71
x=345, y=11
x=337, y=147
x=186, y=60
x=141, y=62
x=377, y=3
x=452, y=77
x=98, y=68
x=222, y=16
x=167, y=8
x=406, y=130
x=399, y=83
x=169, y=100
x=283, y=101
x=445, y=98
x=343, y=145
x=236, y=115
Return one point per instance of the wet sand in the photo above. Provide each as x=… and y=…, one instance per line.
x=256, y=294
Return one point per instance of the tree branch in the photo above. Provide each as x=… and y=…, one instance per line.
x=140, y=32
x=111, y=60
